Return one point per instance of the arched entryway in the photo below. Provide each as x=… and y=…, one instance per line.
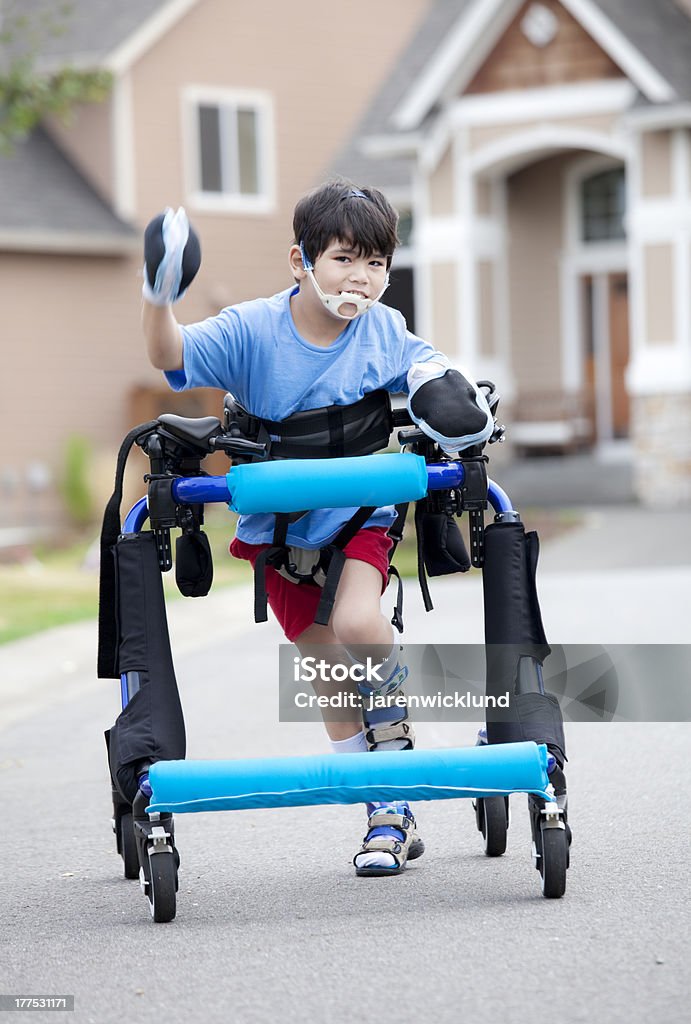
x=560, y=213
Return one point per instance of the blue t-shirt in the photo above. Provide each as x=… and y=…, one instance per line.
x=254, y=351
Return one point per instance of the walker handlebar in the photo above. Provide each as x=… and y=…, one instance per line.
x=441, y=476
x=202, y=490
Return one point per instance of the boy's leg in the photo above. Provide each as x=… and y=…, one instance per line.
x=323, y=640
x=346, y=735
x=363, y=632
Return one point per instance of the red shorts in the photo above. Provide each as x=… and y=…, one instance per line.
x=295, y=604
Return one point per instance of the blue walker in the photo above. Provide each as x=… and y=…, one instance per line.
x=151, y=779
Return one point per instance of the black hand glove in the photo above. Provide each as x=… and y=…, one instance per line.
x=172, y=256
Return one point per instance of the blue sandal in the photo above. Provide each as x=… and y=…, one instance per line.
x=389, y=831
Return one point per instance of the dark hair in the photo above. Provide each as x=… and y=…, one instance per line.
x=361, y=217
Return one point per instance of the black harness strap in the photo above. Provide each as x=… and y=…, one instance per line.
x=331, y=561
x=333, y=431
x=396, y=534
x=275, y=556
x=334, y=556
x=336, y=432
x=421, y=574
x=397, y=617
x=397, y=527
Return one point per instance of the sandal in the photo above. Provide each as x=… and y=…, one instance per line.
x=390, y=832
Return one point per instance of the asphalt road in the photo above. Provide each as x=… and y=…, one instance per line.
x=272, y=923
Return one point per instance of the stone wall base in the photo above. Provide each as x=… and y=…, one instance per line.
x=661, y=435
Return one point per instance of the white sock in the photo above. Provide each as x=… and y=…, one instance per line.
x=352, y=745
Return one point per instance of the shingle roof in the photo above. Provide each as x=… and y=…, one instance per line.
x=392, y=173
x=659, y=29
x=89, y=31
x=45, y=203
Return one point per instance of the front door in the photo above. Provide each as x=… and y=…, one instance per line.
x=606, y=353
x=618, y=287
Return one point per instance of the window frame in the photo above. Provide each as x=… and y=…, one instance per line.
x=264, y=201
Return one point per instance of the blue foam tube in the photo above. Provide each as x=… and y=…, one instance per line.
x=294, y=485
x=185, y=786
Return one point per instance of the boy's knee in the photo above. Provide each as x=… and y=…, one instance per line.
x=356, y=625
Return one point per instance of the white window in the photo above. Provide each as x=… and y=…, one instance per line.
x=603, y=206
x=229, y=149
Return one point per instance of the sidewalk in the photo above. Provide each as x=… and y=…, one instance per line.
x=620, y=537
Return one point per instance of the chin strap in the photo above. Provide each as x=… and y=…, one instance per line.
x=333, y=303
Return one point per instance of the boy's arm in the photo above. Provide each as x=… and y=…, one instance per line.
x=172, y=256
x=163, y=337
x=445, y=403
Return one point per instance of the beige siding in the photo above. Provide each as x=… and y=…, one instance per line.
x=656, y=171
x=72, y=346
x=74, y=351
x=319, y=91
x=486, y=300
x=535, y=197
x=659, y=294
x=443, y=306
x=441, y=190
x=483, y=197
x=86, y=139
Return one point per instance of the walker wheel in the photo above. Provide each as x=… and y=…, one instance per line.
x=162, y=885
x=492, y=816
x=553, y=861
x=127, y=846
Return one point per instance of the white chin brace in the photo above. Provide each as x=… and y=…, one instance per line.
x=333, y=303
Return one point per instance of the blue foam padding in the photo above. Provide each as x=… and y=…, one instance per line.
x=294, y=485
x=448, y=774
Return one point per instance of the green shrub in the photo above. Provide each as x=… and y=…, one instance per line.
x=76, y=486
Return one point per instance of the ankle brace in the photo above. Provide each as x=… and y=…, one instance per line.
x=384, y=713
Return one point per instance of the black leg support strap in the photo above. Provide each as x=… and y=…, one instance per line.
x=514, y=631
x=151, y=727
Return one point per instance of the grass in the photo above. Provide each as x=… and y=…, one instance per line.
x=53, y=587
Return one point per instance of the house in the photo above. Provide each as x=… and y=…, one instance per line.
x=543, y=151
x=232, y=110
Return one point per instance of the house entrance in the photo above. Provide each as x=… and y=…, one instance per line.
x=606, y=352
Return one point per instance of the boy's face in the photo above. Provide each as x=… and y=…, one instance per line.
x=340, y=269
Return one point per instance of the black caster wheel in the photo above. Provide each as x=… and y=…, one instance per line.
x=127, y=846
x=162, y=885
x=492, y=817
x=553, y=861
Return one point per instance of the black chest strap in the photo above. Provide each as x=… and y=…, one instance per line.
x=334, y=431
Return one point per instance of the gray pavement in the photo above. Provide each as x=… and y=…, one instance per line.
x=272, y=922
x=554, y=481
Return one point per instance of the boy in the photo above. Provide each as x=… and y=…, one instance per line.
x=325, y=342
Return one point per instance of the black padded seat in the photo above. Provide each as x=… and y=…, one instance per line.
x=197, y=430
